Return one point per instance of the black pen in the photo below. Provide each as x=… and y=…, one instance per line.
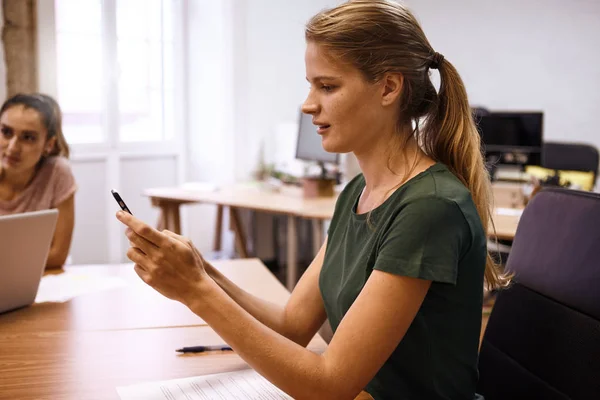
x=201, y=349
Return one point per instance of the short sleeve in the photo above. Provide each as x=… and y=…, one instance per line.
x=63, y=181
x=425, y=240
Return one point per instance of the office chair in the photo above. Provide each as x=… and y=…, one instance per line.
x=543, y=337
x=570, y=157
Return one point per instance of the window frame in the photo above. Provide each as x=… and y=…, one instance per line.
x=48, y=83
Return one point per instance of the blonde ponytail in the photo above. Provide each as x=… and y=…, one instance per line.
x=449, y=135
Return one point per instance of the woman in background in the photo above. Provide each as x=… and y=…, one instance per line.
x=34, y=168
x=400, y=275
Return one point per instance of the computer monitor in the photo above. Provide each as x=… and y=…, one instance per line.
x=512, y=138
x=309, y=146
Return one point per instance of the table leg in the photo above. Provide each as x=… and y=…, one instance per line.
x=160, y=223
x=218, y=228
x=240, y=237
x=171, y=217
x=317, y=225
x=292, y=259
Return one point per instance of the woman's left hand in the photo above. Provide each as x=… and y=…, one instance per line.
x=166, y=261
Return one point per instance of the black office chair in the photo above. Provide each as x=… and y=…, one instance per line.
x=543, y=337
x=570, y=157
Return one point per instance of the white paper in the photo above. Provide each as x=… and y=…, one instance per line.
x=245, y=384
x=65, y=286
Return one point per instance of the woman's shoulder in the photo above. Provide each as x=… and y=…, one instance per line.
x=436, y=182
x=58, y=178
x=56, y=166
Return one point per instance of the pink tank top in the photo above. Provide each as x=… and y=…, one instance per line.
x=52, y=184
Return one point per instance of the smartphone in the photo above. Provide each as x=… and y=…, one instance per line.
x=120, y=201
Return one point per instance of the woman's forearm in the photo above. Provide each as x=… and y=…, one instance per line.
x=56, y=258
x=291, y=367
x=271, y=315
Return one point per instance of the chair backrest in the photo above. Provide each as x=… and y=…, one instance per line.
x=570, y=157
x=543, y=337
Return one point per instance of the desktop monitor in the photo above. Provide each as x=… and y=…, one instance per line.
x=512, y=138
x=309, y=146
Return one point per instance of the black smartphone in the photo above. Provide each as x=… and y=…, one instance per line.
x=120, y=201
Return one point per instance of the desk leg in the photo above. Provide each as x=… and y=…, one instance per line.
x=240, y=237
x=292, y=259
x=218, y=228
x=171, y=217
x=317, y=225
x=161, y=224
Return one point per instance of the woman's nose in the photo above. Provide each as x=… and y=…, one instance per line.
x=310, y=106
x=13, y=144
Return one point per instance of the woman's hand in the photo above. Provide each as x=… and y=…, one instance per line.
x=166, y=261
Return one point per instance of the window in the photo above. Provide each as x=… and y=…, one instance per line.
x=115, y=69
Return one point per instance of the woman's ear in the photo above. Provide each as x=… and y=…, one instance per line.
x=392, y=88
x=50, y=145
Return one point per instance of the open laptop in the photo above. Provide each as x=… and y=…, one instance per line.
x=25, y=241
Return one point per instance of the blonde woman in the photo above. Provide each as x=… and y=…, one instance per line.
x=400, y=275
x=34, y=168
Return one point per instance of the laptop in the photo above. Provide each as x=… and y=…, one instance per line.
x=24, y=246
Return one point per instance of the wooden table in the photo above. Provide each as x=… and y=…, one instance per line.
x=290, y=203
x=85, y=348
x=505, y=223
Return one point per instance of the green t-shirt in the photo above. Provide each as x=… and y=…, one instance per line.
x=428, y=228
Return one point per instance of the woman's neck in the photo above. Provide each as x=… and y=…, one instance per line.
x=16, y=182
x=386, y=165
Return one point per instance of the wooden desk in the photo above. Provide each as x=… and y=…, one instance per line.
x=135, y=306
x=505, y=223
x=51, y=357
x=291, y=203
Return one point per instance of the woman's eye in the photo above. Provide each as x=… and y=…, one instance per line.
x=7, y=133
x=327, y=88
x=29, y=138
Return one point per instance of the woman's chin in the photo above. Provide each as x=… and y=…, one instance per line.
x=332, y=147
x=328, y=145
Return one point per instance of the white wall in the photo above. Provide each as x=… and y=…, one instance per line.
x=211, y=59
x=532, y=55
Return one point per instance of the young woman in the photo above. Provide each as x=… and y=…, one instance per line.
x=34, y=168
x=400, y=275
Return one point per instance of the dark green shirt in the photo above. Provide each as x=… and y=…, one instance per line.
x=429, y=229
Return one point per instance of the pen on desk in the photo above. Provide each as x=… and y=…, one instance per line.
x=201, y=349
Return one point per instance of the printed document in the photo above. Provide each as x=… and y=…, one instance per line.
x=244, y=384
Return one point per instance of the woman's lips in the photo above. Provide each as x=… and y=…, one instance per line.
x=321, y=129
x=11, y=160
